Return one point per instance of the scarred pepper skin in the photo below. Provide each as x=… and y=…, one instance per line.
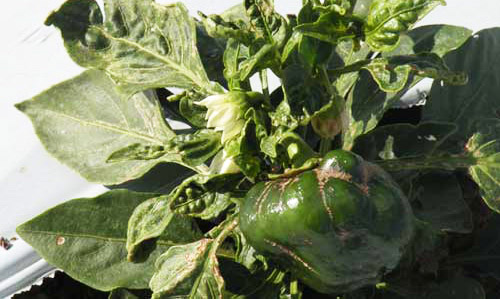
x=337, y=227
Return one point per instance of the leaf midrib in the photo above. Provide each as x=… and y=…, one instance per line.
x=106, y=126
x=109, y=239
x=395, y=15
x=171, y=63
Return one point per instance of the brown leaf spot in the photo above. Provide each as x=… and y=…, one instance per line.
x=60, y=240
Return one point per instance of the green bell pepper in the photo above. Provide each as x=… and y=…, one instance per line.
x=339, y=226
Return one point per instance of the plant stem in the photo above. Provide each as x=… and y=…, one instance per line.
x=324, y=146
x=418, y=163
x=325, y=79
x=264, y=82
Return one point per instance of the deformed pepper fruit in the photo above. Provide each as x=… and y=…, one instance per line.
x=338, y=227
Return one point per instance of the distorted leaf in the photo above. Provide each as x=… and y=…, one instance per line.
x=134, y=44
x=386, y=19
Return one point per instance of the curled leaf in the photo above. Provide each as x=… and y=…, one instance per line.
x=388, y=18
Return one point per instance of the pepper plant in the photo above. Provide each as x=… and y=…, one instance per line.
x=302, y=191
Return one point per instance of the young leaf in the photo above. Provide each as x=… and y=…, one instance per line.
x=204, y=196
x=388, y=18
x=331, y=27
x=148, y=221
x=92, y=249
x=206, y=206
x=231, y=62
x=468, y=104
x=264, y=57
x=135, y=43
x=392, y=74
x=265, y=22
x=484, y=147
x=304, y=95
x=137, y=151
x=94, y=121
x=198, y=147
x=191, y=270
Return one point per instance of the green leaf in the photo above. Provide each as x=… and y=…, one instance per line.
x=231, y=63
x=262, y=58
x=407, y=140
x=347, y=53
x=304, y=94
x=438, y=39
x=211, y=52
x=206, y=206
x=361, y=8
x=484, y=147
x=140, y=44
x=197, y=147
x=439, y=202
x=122, y=294
x=392, y=74
x=86, y=120
x=297, y=151
x=92, y=249
x=365, y=106
x=184, y=108
x=466, y=105
x=236, y=13
x=204, y=196
x=388, y=18
x=129, y=294
x=150, y=220
x=161, y=179
x=218, y=27
x=265, y=22
x=137, y=151
x=190, y=271
x=331, y=27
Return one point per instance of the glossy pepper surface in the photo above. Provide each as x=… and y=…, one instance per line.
x=339, y=226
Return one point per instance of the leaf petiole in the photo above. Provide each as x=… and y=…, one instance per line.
x=450, y=162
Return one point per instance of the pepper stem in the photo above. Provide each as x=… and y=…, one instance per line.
x=264, y=82
x=324, y=146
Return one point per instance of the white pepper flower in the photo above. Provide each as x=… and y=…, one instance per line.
x=226, y=111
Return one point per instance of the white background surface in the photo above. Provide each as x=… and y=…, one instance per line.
x=32, y=58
